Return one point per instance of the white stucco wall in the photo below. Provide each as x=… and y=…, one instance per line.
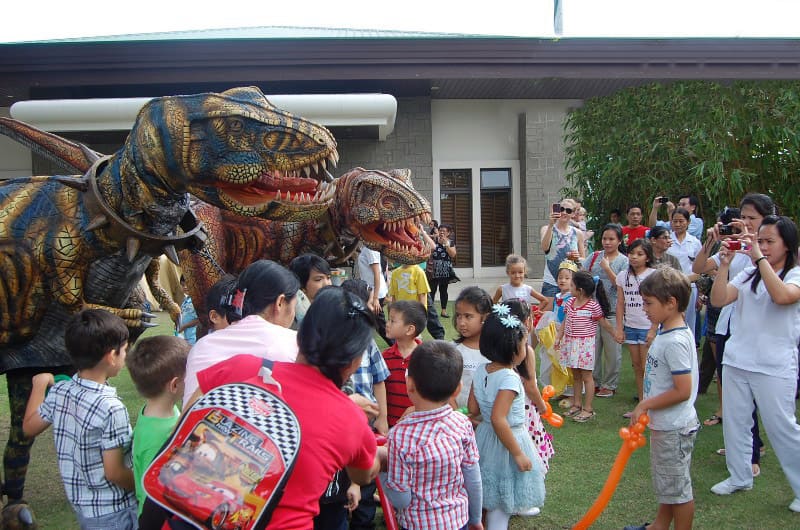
x=15, y=158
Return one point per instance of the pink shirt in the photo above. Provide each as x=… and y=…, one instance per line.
x=252, y=335
x=427, y=452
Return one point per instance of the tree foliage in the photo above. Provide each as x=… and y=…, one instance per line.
x=702, y=138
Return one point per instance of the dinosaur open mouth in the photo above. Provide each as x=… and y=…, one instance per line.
x=402, y=237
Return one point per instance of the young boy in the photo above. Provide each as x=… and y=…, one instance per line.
x=91, y=428
x=408, y=282
x=217, y=302
x=670, y=389
x=406, y=321
x=157, y=365
x=314, y=273
x=433, y=475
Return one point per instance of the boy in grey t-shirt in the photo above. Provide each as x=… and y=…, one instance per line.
x=670, y=389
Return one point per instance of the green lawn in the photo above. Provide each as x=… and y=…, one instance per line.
x=584, y=455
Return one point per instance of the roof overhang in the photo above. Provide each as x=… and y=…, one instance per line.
x=369, y=111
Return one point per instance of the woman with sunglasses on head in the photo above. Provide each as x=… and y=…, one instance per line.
x=761, y=353
x=560, y=241
x=660, y=240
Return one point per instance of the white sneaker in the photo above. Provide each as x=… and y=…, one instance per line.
x=726, y=488
x=536, y=511
x=795, y=506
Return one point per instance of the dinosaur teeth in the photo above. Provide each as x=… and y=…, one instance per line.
x=307, y=171
x=288, y=195
x=322, y=164
x=97, y=222
x=172, y=254
x=132, y=248
x=333, y=160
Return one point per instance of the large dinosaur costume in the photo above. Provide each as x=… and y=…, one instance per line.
x=71, y=242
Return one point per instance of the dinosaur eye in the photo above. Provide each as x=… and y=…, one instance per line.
x=235, y=125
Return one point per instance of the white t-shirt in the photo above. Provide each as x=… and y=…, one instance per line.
x=672, y=353
x=472, y=359
x=764, y=335
x=366, y=258
x=634, y=306
x=686, y=251
x=523, y=292
x=252, y=335
x=739, y=263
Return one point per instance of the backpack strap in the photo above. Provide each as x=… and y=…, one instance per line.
x=594, y=258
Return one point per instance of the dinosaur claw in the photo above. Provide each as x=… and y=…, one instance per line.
x=172, y=254
x=147, y=315
x=328, y=176
x=132, y=248
x=148, y=325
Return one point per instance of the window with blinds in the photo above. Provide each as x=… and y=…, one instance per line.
x=495, y=211
x=456, y=210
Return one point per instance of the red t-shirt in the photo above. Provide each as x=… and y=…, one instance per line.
x=629, y=235
x=335, y=433
x=397, y=400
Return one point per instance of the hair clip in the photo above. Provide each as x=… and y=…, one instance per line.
x=501, y=310
x=236, y=301
x=596, y=279
x=510, y=321
x=569, y=265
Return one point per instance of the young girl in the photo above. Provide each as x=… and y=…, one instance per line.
x=633, y=326
x=576, y=340
x=534, y=402
x=564, y=282
x=511, y=470
x=472, y=306
x=516, y=288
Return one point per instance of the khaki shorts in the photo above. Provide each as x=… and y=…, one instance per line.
x=670, y=463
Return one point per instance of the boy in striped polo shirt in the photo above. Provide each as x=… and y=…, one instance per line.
x=406, y=320
x=433, y=475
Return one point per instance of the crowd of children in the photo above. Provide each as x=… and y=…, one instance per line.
x=466, y=446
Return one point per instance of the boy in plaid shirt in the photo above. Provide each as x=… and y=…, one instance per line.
x=90, y=423
x=433, y=476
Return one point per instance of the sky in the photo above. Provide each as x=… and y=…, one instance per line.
x=45, y=19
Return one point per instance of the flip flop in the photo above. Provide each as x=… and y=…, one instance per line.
x=713, y=420
x=581, y=418
x=573, y=411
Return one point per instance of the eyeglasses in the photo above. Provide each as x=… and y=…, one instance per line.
x=568, y=210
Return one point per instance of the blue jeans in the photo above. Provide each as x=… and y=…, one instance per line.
x=123, y=520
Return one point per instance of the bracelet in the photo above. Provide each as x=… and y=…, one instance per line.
x=759, y=259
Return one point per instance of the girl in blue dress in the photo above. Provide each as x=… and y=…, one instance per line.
x=511, y=469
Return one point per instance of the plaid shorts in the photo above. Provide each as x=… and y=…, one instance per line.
x=670, y=463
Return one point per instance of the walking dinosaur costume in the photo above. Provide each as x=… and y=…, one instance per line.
x=71, y=242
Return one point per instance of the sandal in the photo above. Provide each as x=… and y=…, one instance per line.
x=713, y=420
x=573, y=410
x=584, y=416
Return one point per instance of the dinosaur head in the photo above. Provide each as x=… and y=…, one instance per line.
x=237, y=151
x=385, y=212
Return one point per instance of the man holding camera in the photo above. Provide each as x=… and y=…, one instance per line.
x=689, y=203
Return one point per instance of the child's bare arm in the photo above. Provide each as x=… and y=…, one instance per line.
x=382, y=421
x=498, y=294
x=502, y=404
x=115, y=470
x=33, y=424
x=606, y=325
x=422, y=298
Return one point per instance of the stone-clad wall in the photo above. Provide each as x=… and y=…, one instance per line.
x=408, y=146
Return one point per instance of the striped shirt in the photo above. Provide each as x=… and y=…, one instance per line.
x=88, y=418
x=397, y=400
x=582, y=321
x=427, y=452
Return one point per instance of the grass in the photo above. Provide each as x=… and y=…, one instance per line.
x=584, y=455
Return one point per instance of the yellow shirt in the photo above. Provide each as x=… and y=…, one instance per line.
x=407, y=283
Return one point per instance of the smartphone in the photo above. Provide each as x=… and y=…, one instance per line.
x=726, y=230
x=663, y=200
x=556, y=207
x=734, y=244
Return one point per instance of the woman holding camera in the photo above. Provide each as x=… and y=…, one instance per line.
x=560, y=241
x=441, y=263
x=761, y=353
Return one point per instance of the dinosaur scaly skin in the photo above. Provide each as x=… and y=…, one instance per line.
x=379, y=209
x=66, y=242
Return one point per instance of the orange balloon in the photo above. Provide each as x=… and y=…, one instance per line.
x=555, y=420
x=633, y=444
x=638, y=427
x=641, y=441
x=624, y=433
x=644, y=419
x=548, y=408
x=548, y=391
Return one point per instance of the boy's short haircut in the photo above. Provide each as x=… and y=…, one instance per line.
x=665, y=283
x=413, y=314
x=155, y=361
x=303, y=264
x=436, y=367
x=91, y=334
x=217, y=296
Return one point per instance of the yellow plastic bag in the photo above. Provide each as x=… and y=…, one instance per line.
x=560, y=377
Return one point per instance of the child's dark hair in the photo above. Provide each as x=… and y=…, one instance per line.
x=155, y=361
x=336, y=330
x=665, y=283
x=358, y=287
x=646, y=247
x=500, y=342
x=477, y=297
x=91, y=334
x=303, y=264
x=585, y=282
x=218, y=296
x=522, y=310
x=413, y=314
x=436, y=368
x=259, y=286
x=787, y=231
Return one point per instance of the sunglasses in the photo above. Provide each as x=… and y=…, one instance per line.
x=568, y=210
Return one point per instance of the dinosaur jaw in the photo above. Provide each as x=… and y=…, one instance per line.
x=399, y=241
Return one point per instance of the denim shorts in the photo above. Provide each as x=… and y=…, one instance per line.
x=635, y=335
